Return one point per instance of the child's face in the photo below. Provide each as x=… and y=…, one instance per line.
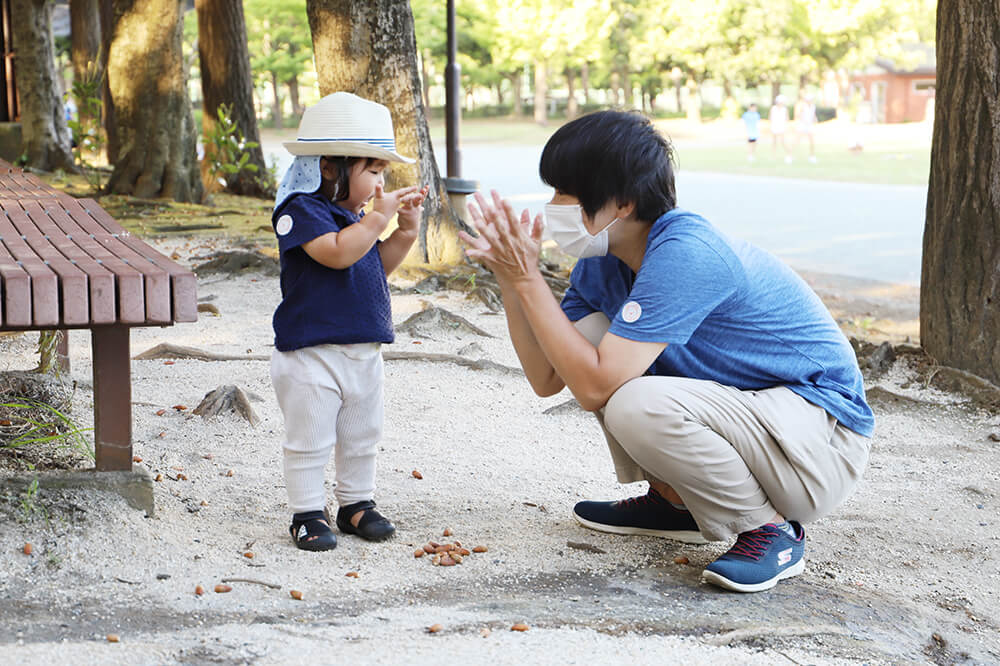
x=363, y=179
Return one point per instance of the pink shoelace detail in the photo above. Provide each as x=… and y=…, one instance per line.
x=753, y=544
x=640, y=500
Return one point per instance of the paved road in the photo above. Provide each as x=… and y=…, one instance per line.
x=866, y=231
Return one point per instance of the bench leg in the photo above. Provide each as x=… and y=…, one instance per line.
x=112, y=398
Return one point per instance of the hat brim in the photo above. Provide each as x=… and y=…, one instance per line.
x=345, y=149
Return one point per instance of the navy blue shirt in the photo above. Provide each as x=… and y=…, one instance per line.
x=729, y=312
x=322, y=305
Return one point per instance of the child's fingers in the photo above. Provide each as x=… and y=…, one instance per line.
x=379, y=192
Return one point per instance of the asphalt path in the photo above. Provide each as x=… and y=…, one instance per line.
x=853, y=229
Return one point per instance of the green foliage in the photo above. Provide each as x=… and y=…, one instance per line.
x=226, y=149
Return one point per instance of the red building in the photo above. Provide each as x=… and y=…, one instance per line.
x=899, y=94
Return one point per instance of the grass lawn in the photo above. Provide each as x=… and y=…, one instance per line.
x=892, y=154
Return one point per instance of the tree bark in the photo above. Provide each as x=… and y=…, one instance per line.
x=960, y=279
x=369, y=49
x=541, y=92
x=276, y=115
x=45, y=136
x=515, y=84
x=156, y=135
x=109, y=119
x=226, y=79
x=293, y=95
x=85, y=40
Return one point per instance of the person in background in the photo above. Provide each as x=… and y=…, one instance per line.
x=751, y=119
x=778, y=119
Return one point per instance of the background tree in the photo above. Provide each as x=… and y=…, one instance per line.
x=369, y=49
x=45, y=136
x=278, y=33
x=156, y=154
x=85, y=49
x=226, y=79
x=960, y=278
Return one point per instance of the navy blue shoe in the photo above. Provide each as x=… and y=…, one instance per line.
x=373, y=526
x=649, y=514
x=759, y=559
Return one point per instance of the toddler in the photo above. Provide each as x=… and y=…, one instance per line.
x=335, y=310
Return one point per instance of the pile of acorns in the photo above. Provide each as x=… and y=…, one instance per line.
x=446, y=554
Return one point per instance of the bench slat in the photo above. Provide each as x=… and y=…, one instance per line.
x=44, y=282
x=184, y=283
x=157, y=281
x=16, y=285
x=73, y=288
x=103, y=303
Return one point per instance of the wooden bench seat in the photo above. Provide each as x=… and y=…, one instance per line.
x=66, y=264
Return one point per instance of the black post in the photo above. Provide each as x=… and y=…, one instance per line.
x=457, y=186
x=452, y=108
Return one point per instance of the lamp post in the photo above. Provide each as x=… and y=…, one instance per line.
x=456, y=186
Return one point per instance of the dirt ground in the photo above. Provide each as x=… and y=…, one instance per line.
x=906, y=571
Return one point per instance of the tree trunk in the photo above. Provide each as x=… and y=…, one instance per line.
x=156, y=135
x=614, y=89
x=585, y=82
x=279, y=121
x=293, y=95
x=369, y=49
x=226, y=79
x=960, y=280
x=85, y=26
x=572, y=106
x=425, y=78
x=541, y=92
x=515, y=84
x=45, y=136
x=110, y=121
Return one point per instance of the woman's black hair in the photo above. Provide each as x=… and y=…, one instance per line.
x=344, y=166
x=612, y=155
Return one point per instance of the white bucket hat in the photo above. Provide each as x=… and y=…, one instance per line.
x=343, y=124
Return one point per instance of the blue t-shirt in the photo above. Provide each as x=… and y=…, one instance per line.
x=729, y=312
x=751, y=119
x=321, y=305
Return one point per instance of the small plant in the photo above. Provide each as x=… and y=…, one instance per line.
x=226, y=149
x=28, y=506
x=57, y=428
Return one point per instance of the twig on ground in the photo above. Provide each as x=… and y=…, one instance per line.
x=251, y=580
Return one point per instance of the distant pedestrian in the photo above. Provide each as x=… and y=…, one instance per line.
x=778, y=117
x=751, y=118
x=805, y=123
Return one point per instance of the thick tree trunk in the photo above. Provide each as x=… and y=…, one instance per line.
x=156, y=135
x=960, y=280
x=541, y=92
x=226, y=79
x=369, y=49
x=45, y=136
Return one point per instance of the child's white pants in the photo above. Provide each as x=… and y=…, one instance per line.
x=331, y=398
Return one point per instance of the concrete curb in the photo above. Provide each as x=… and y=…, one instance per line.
x=136, y=486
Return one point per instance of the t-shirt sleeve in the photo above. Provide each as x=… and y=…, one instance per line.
x=574, y=305
x=301, y=220
x=682, y=280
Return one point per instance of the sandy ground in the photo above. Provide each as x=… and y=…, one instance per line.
x=906, y=571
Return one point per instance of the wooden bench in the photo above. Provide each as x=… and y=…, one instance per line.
x=66, y=264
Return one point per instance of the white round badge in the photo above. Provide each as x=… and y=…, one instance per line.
x=284, y=225
x=631, y=311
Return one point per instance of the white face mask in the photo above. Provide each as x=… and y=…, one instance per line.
x=564, y=225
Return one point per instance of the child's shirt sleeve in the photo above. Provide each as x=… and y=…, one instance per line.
x=301, y=220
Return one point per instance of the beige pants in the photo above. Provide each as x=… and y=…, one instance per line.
x=735, y=457
x=331, y=399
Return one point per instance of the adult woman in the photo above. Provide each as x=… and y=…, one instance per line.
x=717, y=374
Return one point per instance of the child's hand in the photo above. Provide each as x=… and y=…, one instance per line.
x=411, y=209
x=387, y=203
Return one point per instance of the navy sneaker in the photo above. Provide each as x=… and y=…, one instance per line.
x=649, y=514
x=759, y=559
